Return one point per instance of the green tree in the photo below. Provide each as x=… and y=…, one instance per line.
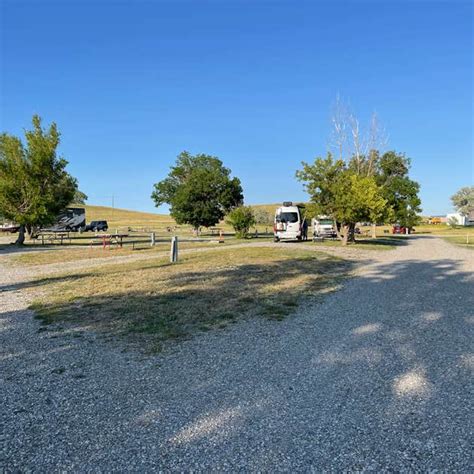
x=401, y=192
x=463, y=200
x=79, y=197
x=199, y=190
x=34, y=183
x=338, y=191
x=241, y=219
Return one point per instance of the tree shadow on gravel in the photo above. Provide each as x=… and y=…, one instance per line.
x=375, y=376
x=379, y=376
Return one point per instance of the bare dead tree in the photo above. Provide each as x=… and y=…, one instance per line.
x=358, y=143
x=377, y=141
x=339, y=126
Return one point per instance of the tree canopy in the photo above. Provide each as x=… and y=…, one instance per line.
x=34, y=183
x=365, y=189
x=463, y=200
x=79, y=197
x=199, y=190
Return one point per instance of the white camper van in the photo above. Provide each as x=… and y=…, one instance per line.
x=323, y=227
x=288, y=223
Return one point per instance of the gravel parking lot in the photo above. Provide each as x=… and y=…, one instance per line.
x=376, y=377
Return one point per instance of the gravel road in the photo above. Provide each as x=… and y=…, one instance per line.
x=376, y=377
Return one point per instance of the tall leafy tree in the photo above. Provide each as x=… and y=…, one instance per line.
x=463, y=200
x=199, y=190
x=34, y=183
x=401, y=192
x=340, y=192
x=373, y=188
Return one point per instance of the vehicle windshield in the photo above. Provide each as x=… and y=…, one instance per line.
x=325, y=222
x=288, y=217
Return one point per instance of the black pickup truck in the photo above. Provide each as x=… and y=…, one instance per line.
x=97, y=226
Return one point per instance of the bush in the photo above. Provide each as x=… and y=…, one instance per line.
x=241, y=219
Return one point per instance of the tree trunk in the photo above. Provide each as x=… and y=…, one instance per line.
x=374, y=231
x=21, y=236
x=352, y=232
x=345, y=234
x=337, y=227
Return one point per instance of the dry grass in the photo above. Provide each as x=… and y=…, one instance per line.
x=119, y=218
x=62, y=254
x=464, y=240
x=380, y=243
x=435, y=229
x=153, y=301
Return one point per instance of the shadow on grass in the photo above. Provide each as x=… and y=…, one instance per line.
x=168, y=302
x=383, y=241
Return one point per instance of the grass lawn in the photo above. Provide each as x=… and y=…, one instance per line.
x=152, y=301
x=380, y=243
x=434, y=229
x=62, y=254
x=466, y=240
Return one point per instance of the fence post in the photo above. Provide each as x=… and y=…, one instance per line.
x=152, y=239
x=174, y=249
x=467, y=239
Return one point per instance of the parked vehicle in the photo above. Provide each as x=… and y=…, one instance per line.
x=323, y=227
x=289, y=223
x=97, y=226
x=399, y=229
x=9, y=228
x=71, y=219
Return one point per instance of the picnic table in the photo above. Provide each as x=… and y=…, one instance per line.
x=108, y=238
x=53, y=236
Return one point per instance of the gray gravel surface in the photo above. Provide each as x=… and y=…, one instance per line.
x=376, y=377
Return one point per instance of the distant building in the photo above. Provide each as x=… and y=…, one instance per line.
x=460, y=219
x=437, y=220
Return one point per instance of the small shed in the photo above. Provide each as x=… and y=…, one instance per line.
x=460, y=219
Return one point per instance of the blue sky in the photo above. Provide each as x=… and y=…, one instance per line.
x=133, y=83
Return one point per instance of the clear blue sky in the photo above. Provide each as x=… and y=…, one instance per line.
x=133, y=83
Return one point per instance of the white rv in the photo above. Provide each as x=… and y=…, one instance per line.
x=323, y=227
x=289, y=223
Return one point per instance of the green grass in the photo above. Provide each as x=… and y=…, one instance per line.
x=466, y=241
x=380, y=243
x=63, y=254
x=150, y=302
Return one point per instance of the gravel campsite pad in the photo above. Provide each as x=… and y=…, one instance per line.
x=377, y=376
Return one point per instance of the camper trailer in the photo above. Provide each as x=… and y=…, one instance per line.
x=71, y=219
x=289, y=223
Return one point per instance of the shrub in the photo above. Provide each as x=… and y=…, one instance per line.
x=241, y=219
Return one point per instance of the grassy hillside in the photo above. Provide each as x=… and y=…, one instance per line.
x=123, y=218
x=120, y=218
